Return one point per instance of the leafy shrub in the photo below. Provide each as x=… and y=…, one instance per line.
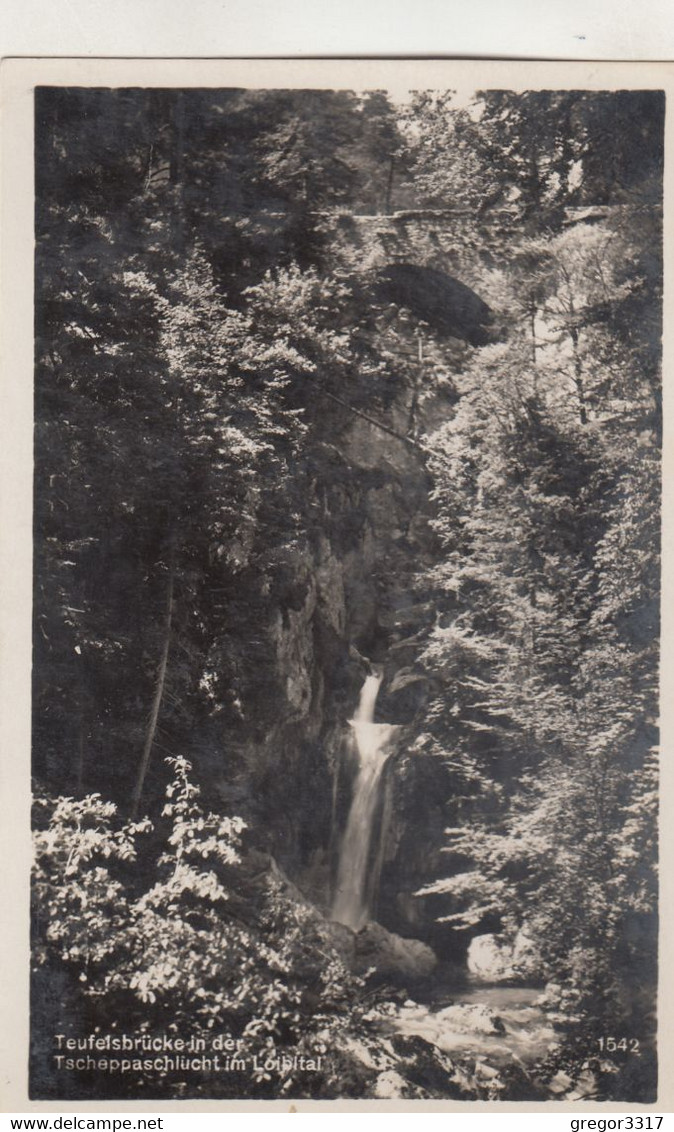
x=202, y=950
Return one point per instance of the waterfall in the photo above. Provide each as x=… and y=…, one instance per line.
x=373, y=745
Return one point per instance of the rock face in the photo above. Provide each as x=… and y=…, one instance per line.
x=344, y=596
x=375, y=947
x=342, y=940
x=393, y=955
x=492, y=960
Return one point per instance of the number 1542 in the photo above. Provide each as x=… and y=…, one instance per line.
x=626, y=1045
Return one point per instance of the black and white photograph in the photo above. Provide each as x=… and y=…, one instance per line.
x=346, y=589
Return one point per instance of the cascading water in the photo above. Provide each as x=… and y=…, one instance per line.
x=373, y=744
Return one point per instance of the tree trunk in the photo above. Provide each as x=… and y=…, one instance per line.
x=389, y=186
x=416, y=388
x=81, y=753
x=159, y=689
x=578, y=372
x=177, y=171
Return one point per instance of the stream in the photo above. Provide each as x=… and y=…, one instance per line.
x=464, y=1025
x=461, y=1017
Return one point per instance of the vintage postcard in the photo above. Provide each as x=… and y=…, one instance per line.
x=341, y=388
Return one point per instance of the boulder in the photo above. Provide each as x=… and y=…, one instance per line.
x=392, y=954
x=426, y=1067
x=491, y=959
x=390, y=1086
x=487, y=959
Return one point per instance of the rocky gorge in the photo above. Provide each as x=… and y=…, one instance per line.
x=346, y=586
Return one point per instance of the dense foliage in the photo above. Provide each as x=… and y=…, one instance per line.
x=545, y=646
x=227, y=281
x=195, y=950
